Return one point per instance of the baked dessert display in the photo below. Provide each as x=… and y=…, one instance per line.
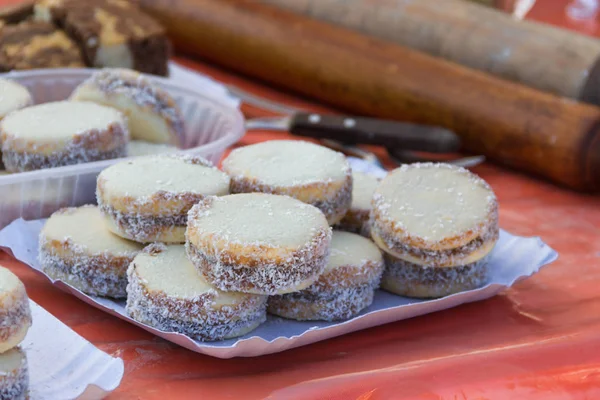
x=148, y=198
x=356, y=219
x=346, y=286
x=62, y=133
x=308, y=172
x=437, y=224
x=111, y=33
x=258, y=243
x=15, y=13
x=153, y=115
x=138, y=148
x=34, y=44
x=77, y=248
x=13, y=97
x=166, y=291
x=14, y=375
x=15, y=314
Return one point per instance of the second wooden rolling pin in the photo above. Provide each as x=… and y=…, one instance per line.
x=538, y=55
x=519, y=127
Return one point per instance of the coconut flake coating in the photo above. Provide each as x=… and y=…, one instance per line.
x=76, y=247
x=335, y=305
x=433, y=207
x=414, y=280
x=14, y=375
x=147, y=199
x=258, y=243
x=154, y=115
x=308, y=172
x=166, y=292
x=15, y=314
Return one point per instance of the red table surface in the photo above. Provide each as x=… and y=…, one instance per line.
x=537, y=340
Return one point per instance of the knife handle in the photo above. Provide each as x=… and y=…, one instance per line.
x=386, y=133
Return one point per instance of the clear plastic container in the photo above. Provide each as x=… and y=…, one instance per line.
x=213, y=123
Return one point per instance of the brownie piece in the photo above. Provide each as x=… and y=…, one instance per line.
x=16, y=13
x=111, y=33
x=34, y=44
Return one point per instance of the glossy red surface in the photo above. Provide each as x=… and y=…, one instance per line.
x=537, y=340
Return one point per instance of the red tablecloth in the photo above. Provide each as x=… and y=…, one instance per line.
x=538, y=340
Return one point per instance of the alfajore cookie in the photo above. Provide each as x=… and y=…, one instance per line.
x=346, y=286
x=308, y=172
x=14, y=375
x=13, y=97
x=258, y=243
x=76, y=247
x=356, y=219
x=62, y=133
x=15, y=314
x=152, y=113
x=438, y=224
x=166, y=292
x=137, y=148
x=147, y=199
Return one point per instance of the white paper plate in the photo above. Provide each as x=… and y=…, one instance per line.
x=513, y=258
x=63, y=365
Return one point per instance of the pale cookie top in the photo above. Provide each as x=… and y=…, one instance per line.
x=60, y=120
x=85, y=229
x=434, y=201
x=285, y=163
x=137, y=148
x=362, y=190
x=8, y=281
x=258, y=218
x=167, y=269
x=12, y=97
x=145, y=176
x=350, y=249
x=11, y=361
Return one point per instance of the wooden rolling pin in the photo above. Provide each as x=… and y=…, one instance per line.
x=517, y=126
x=537, y=55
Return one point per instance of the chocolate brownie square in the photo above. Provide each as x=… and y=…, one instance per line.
x=111, y=33
x=34, y=44
x=16, y=13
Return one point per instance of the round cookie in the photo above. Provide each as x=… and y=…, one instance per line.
x=437, y=225
x=13, y=97
x=61, y=133
x=15, y=314
x=14, y=375
x=356, y=219
x=137, y=148
x=258, y=243
x=346, y=286
x=166, y=292
x=308, y=172
x=152, y=113
x=77, y=248
x=147, y=199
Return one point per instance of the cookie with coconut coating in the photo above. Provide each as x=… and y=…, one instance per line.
x=437, y=224
x=147, y=199
x=15, y=314
x=356, y=219
x=76, y=247
x=258, y=243
x=305, y=171
x=14, y=375
x=167, y=292
x=61, y=133
x=346, y=286
x=153, y=115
